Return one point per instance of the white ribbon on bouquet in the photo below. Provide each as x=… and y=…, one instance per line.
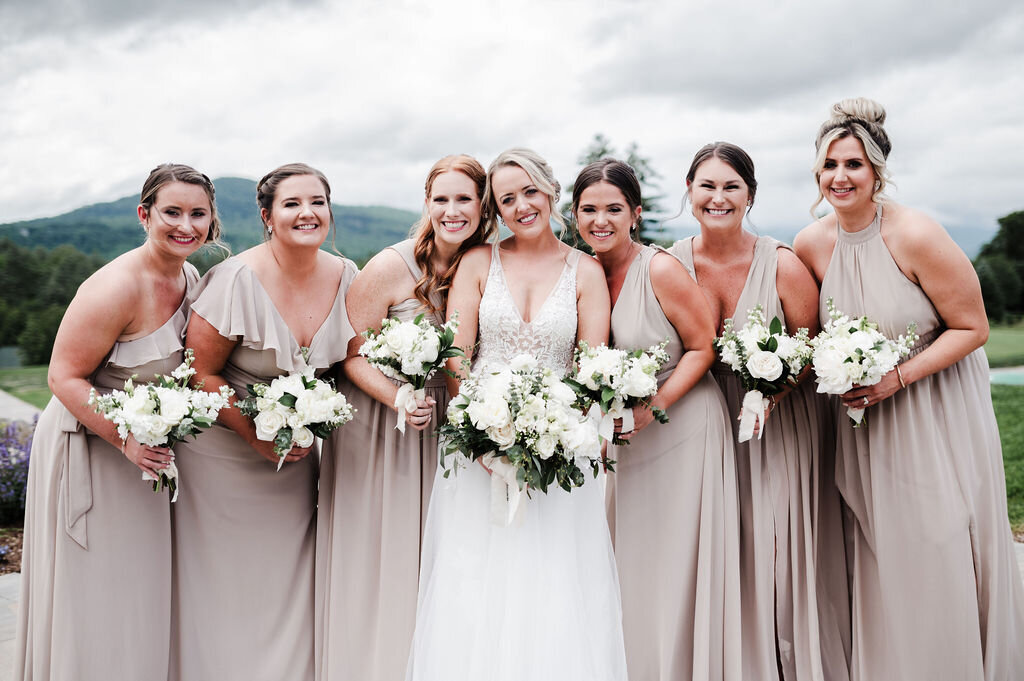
x=751, y=413
x=405, y=403
x=506, y=497
x=605, y=423
x=171, y=472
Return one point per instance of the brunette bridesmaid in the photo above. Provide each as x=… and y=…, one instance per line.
x=375, y=481
x=675, y=508
x=96, y=568
x=936, y=590
x=777, y=468
x=244, y=532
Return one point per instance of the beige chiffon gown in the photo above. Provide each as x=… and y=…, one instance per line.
x=244, y=532
x=96, y=563
x=675, y=516
x=780, y=492
x=935, y=585
x=374, y=489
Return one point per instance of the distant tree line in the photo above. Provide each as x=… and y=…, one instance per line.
x=1000, y=268
x=36, y=286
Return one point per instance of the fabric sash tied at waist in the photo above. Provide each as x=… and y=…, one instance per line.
x=76, y=482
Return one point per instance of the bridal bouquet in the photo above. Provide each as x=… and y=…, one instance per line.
x=521, y=421
x=611, y=382
x=410, y=352
x=854, y=352
x=293, y=409
x=766, y=359
x=162, y=413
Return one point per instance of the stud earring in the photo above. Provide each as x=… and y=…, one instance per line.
x=270, y=230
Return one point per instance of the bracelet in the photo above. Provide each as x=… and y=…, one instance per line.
x=899, y=375
x=124, y=445
x=771, y=402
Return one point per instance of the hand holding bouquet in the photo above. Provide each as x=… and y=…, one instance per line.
x=162, y=414
x=766, y=359
x=522, y=423
x=410, y=352
x=611, y=382
x=294, y=409
x=854, y=352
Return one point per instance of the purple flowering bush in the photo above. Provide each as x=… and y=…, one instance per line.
x=15, y=444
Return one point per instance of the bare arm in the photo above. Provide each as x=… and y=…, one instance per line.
x=593, y=303
x=464, y=297
x=100, y=312
x=686, y=308
x=211, y=353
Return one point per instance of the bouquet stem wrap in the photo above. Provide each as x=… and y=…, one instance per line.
x=163, y=479
x=752, y=413
x=405, y=403
x=505, y=493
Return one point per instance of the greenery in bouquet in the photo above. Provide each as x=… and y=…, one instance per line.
x=295, y=409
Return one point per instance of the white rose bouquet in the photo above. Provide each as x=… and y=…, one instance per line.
x=162, y=413
x=410, y=352
x=294, y=409
x=766, y=359
x=521, y=421
x=854, y=352
x=611, y=382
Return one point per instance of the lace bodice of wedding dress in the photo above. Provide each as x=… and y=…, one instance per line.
x=550, y=338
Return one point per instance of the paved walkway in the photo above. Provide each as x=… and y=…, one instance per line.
x=10, y=585
x=13, y=409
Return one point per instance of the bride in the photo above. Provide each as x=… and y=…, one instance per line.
x=539, y=599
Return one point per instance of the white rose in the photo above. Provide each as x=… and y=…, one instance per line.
x=546, y=445
x=863, y=340
x=401, y=338
x=522, y=363
x=490, y=413
x=787, y=347
x=173, y=404
x=291, y=384
x=141, y=402
x=831, y=370
x=765, y=365
x=302, y=437
x=268, y=423
x=751, y=335
x=638, y=383
x=504, y=436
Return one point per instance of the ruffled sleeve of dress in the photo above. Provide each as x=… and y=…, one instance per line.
x=231, y=298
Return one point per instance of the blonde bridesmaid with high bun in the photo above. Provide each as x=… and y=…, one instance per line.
x=375, y=481
x=96, y=568
x=935, y=587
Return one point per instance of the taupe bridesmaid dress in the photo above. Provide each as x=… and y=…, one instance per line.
x=244, y=533
x=675, y=516
x=374, y=487
x=935, y=585
x=780, y=492
x=96, y=567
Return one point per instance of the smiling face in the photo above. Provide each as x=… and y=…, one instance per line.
x=605, y=218
x=300, y=214
x=179, y=219
x=453, y=207
x=718, y=195
x=525, y=209
x=847, y=179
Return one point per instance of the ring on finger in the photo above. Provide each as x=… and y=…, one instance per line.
x=866, y=400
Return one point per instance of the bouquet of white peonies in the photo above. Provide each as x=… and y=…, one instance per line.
x=410, y=352
x=854, y=352
x=522, y=423
x=609, y=382
x=766, y=359
x=294, y=409
x=162, y=413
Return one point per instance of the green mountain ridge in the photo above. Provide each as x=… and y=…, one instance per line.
x=111, y=228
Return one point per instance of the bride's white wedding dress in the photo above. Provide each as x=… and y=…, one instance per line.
x=538, y=600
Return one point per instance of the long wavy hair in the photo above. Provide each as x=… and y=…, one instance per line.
x=423, y=232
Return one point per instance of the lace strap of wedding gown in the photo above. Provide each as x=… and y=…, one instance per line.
x=550, y=337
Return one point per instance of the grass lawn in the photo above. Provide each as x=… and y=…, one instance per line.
x=26, y=383
x=1005, y=347
x=1008, y=401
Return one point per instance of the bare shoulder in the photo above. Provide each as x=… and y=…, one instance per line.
x=817, y=236
x=588, y=267
x=666, y=270
x=116, y=283
x=911, y=227
x=791, y=268
x=476, y=259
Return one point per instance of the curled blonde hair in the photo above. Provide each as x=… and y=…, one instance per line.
x=540, y=174
x=423, y=232
x=862, y=118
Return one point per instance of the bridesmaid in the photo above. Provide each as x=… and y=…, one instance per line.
x=244, y=532
x=777, y=471
x=375, y=481
x=936, y=591
x=674, y=513
x=96, y=568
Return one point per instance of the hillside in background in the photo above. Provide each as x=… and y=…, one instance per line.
x=109, y=229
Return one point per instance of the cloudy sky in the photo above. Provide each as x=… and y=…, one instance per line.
x=95, y=93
